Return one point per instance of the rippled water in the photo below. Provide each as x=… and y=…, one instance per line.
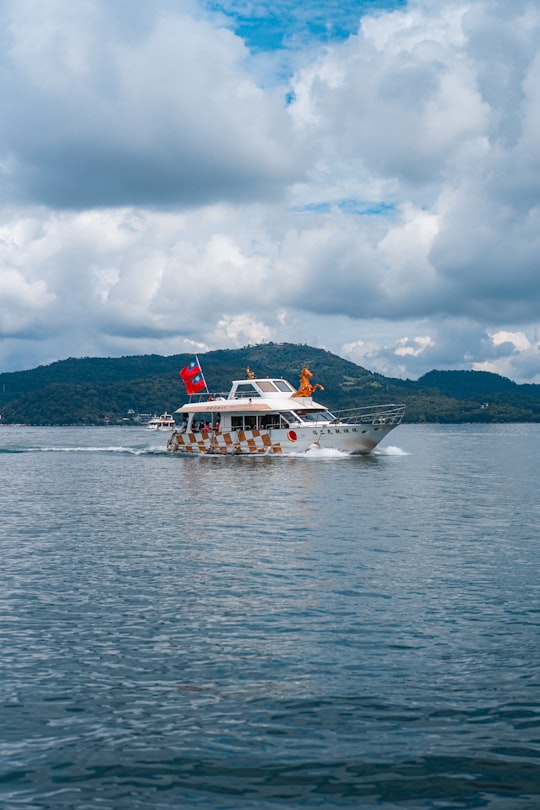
x=235, y=633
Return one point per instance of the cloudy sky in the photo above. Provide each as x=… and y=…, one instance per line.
x=186, y=175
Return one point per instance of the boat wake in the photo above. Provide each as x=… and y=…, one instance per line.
x=313, y=453
x=318, y=453
x=390, y=451
x=128, y=451
x=332, y=453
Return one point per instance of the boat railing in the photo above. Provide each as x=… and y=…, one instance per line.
x=206, y=396
x=371, y=415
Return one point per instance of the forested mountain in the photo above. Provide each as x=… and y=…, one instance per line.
x=92, y=390
x=468, y=384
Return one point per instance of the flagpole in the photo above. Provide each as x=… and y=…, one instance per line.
x=202, y=372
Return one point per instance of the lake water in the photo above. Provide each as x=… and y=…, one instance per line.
x=270, y=633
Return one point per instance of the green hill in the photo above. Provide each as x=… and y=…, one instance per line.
x=468, y=384
x=90, y=391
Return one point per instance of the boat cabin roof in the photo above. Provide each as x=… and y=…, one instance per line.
x=264, y=394
x=265, y=387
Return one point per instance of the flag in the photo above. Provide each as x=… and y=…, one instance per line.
x=195, y=384
x=190, y=370
x=193, y=377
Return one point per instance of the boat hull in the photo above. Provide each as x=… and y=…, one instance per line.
x=351, y=439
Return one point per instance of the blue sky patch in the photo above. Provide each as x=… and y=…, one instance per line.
x=356, y=207
x=284, y=23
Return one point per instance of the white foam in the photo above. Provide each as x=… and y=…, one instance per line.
x=319, y=453
x=392, y=450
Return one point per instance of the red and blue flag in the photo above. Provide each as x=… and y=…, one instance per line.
x=193, y=377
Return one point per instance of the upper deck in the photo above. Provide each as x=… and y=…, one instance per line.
x=259, y=394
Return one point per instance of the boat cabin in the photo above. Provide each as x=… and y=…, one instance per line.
x=255, y=404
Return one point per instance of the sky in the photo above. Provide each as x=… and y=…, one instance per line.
x=364, y=177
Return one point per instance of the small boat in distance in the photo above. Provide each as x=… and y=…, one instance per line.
x=269, y=416
x=163, y=422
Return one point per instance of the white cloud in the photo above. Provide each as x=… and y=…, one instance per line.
x=413, y=347
x=99, y=118
x=22, y=302
x=242, y=330
x=519, y=341
x=514, y=355
x=159, y=193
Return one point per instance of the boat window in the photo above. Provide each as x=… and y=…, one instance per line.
x=267, y=421
x=246, y=390
x=290, y=417
x=271, y=421
x=248, y=422
x=283, y=385
x=267, y=386
x=315, y=416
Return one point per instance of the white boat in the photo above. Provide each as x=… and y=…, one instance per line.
x=163, y=422
x=268, y=416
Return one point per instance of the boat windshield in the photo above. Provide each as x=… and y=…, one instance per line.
x=246, y=390
x=283, y=385
x=314, y=416
x=267, y=386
